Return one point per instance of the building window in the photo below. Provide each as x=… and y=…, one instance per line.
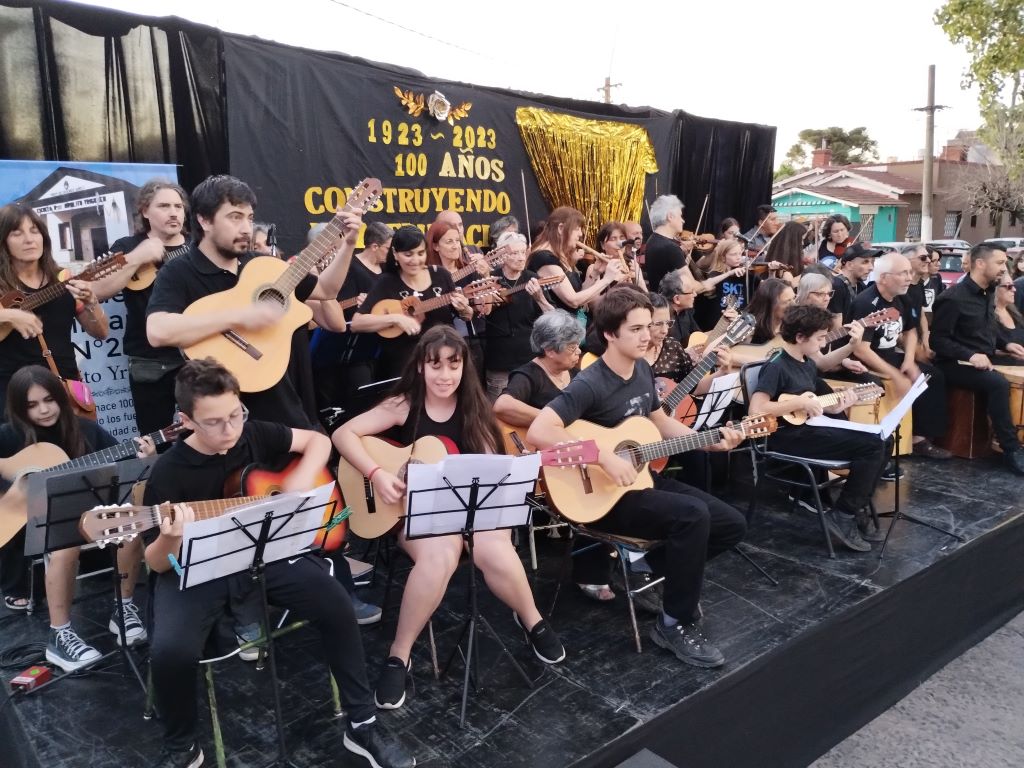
x=914, y=226
x=951, y=226
x=1013, y=219
x=867, y=228
x=974, y=221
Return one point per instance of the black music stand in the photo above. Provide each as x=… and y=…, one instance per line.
x=57, y=501
x=249, y=538
x=464, y=505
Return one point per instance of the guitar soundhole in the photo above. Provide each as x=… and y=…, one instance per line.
x=271, y=294
x=630, y=451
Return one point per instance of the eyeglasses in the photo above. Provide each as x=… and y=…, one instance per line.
x=927, y=259
x=1008, y=286
x=661, y=324
x=235, y=420
x=830, y=294
x=572, y=349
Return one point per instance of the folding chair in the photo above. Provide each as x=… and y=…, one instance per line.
x=773, y=465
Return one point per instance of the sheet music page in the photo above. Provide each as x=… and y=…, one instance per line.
x=716, y=401
x=216, y=547
x=432, y=508
x=853, y=426
x=889, y=423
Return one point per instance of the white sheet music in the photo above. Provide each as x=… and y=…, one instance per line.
x=723, y=390
x=889, y=423
x=216, y=547
x=433, y=509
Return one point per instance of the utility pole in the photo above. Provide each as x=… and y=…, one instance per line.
x=928, y=181
x=607, y=89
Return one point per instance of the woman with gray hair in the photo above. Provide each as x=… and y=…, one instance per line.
x=555, y=340
x=510, y=322
x=816, y=290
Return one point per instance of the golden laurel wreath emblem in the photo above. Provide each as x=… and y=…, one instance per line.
x=436, y=104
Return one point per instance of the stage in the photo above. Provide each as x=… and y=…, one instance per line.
x=808, y=662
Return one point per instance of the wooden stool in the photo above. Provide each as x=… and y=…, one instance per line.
x=1015, y=375
x=968, y=435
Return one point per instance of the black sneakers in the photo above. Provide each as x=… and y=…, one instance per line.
x=889, y=474
x=1014, y=461
x=866, y=527
x=842, y=528
x=134, y=629
x=390, y=693
x=368, y=741
x=189, y=758
x=688, y=643
x=543, y=640
x=69, y=651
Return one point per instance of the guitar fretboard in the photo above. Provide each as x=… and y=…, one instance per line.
x=52, y=291
x=493, y=259
x=122, y=450
x=688, y=384
x=673, y=445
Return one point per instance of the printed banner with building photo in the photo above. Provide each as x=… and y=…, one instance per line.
x=87, y=206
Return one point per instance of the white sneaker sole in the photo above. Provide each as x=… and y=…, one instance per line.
x=70, y=666
x=397, y=705
x=355, y=749
x=138, y=639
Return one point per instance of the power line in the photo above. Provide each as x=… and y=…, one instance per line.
x=405, y=28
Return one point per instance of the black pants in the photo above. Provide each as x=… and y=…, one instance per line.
x=183, y=620
x=154, y=402
x=866, y=453
x=996, y=389
x=695, y=527
x=930, y=412
x=14, y=567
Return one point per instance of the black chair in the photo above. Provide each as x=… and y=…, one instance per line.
x=778, y=467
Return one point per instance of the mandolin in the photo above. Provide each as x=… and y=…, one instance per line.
x=585, y=494
x=414, y=306
x=259, y=359
x=866, y=393
x=46, y=457
x=146, y=274
x=26, y=302
x=493, y=259
x=502, y=294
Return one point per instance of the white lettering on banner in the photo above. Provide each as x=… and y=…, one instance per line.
x=104, y=367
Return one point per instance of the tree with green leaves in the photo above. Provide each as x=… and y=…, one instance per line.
x=848, y=147
x=992, y=32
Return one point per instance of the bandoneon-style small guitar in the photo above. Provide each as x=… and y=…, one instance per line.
x=260, y=358
x=586, y=493
x=866, y=393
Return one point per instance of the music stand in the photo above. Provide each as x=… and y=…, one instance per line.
x=455, y=497
x=249, y=538
x=57, y=500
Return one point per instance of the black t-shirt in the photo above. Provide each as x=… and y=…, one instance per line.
x=419, y=424
x=184, y=474
x=96, y=437
x=509, y=326
x=329, y=348
x=395, y=352
x=709, y=308
x=601, y=396
x=136, y=344
x=785, y=375
x=1006, y=335
x=884, y=338
x=58, y=317
x=540, y=259
x=933, y=286
x=531, y=384
x=191, y=277
x=662, y=255
x=843, y=296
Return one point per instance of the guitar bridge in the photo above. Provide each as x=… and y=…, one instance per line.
x=588, y=484
x=242, y=344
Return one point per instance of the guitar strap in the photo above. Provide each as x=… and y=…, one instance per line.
x=78, y=391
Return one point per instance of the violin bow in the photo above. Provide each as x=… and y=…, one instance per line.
x=703, y=210
x=526, y=209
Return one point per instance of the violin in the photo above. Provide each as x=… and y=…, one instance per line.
x=701, y=243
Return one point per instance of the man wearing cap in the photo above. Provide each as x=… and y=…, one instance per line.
x=890, y=348
x=857, y=262
x=768, y=224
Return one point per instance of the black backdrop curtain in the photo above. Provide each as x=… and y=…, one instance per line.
x=730, y=161
x=89, y=84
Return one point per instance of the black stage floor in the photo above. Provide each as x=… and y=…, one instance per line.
x=809, y=661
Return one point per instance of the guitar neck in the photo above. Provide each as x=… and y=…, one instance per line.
x=123, y=450
x=205, y=510
x=704, y=366
x=348, y=303
x=310, y=256
x=47, y=294
x=838, y=333
x=673, y=445
x=429, y=305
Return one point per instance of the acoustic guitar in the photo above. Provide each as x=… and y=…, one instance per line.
x=752, y=353
x=260, y=480
x=16, y=299
x=489, y=261
x=258, y=359
x=586, y=493
x=699, y=338
x=866, y=393
x=46, y=457
x=372, y=517
x=414, y=306
x=145, y=275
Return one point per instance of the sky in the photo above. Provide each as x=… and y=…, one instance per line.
x=793, y=65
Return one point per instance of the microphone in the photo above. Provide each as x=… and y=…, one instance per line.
x=744, y=238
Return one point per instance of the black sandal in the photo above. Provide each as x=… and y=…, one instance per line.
x=15, y=603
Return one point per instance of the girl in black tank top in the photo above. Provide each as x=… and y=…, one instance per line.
x=439, y=394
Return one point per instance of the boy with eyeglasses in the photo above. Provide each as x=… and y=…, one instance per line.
x=196, y=468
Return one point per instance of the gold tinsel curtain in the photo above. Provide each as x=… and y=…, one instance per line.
x=597, y=166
